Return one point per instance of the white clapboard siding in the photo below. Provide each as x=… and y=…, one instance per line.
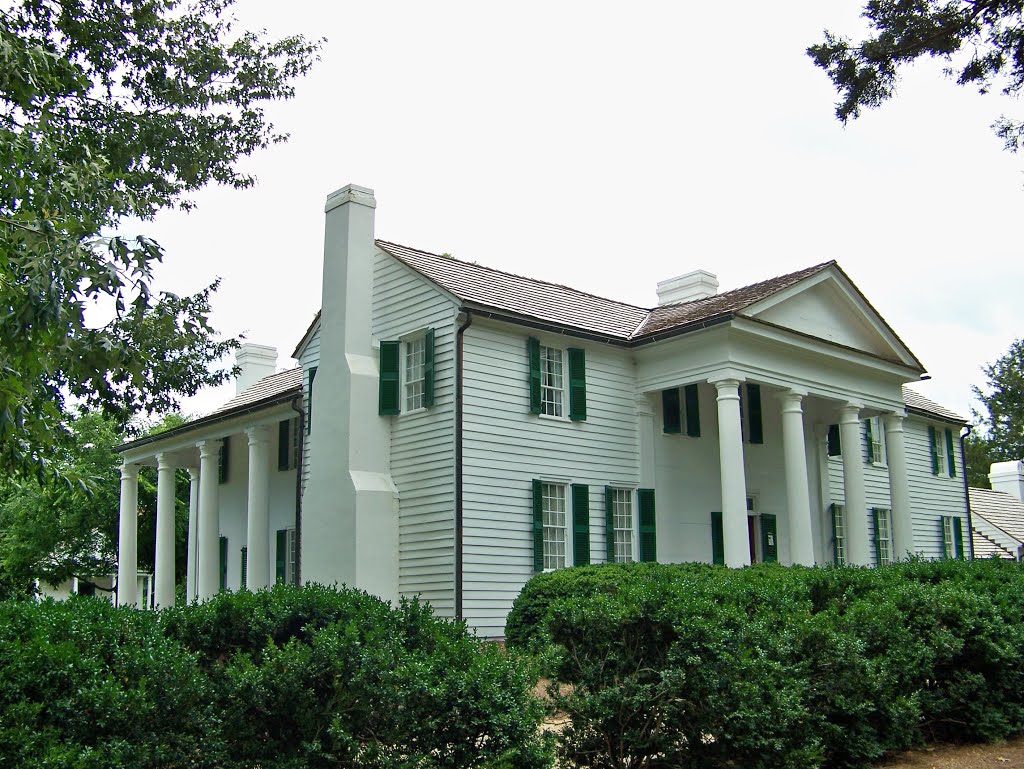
x=931, y=496
x=422, y=442
x=505, y=448
x=309, y=358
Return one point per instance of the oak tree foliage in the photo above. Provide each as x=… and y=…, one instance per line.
x=113, y=110
x=982, y=41
x=1001, y=418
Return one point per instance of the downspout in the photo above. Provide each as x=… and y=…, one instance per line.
x=967, y=492
x=297, y=407
x=459, y=348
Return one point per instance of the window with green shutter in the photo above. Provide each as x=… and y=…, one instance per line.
x=284, y=445
x=533, y=359
x=223, y=563
x=223, y=459
x=648, y=525
x=717, y=539
x=428, y=368
x=577, y=384
x=245, y=567
x=309, y=399
x=952, y=537
x=769, y=539
x=883, y=536
x=580, y=524
x=388, y=389
x=692, y=401
x=937, y=451
x=838, y=534
x=550, y=525
x=671, y=414
x=950, y=454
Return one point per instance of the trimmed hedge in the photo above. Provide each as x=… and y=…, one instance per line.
x=701, y=666
x=285, y=678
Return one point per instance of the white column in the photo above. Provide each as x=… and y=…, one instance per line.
x=208, y=539
x=163, y=572
x=734, y=484
x=128, y=537
x=191, y=562
x=258, y=519
x=801, y=543
x=853, y=482
x=899, y=491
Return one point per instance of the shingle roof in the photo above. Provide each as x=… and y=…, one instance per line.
x=672, y=315
x=985, y=547
x=265, y=389
x=528, y=297
x=917, y=402
x=1002, y=510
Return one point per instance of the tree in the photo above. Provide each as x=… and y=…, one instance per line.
x=58, y=530
x=983, y=41
x=1002, y=398
x=112, y=109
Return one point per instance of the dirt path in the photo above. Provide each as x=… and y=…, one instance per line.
x=1009, y=755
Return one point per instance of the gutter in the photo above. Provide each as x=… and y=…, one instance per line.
x=297, y=408
x=459, y=385
x=967, y=493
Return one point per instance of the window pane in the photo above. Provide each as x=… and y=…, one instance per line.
x=415, y=352
x=622, y=524
x=840, y=534
x=553, y=519
x=551, y=381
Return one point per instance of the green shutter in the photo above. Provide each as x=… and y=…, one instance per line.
x=280, y=554
x=533, y=356
x=950, y=454
x=754, y=407
x=870, y=438
x=609, y=524
x=692, y=411
x=876, y=515
x=648, y=524
x=390, y=354
x=931, y=448
x=717, y=539
x=245, y=566
x=223, y=459
x=428, y=368
x=580, y=524
x=835, y=542
x=284, y=444
x=223, y=563
x=577, y=384
x=309, y=401
x=538, y=526
x=769, y=539
x=834, y=445
x=958, y=537
x=671, y=418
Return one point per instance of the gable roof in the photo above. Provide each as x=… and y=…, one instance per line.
x=1002, y=510
x=915, y=402
x=515, y=296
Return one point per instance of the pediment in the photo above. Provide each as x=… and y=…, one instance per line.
x=830, y=307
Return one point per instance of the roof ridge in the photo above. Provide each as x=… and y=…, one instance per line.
x=514, y=275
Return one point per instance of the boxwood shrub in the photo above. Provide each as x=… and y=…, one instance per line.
x=700, y=666
x=283, y=678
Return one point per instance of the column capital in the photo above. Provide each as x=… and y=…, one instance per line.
x=258, y=434
x=129, y=471
x=792, y=400
x=850, y=412
x=193, y=473
x=163, y=462
x=727, y=388
x=894, y=422
x=209, y=447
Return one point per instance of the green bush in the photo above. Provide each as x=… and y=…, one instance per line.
x=768, y=666
x=284, y=678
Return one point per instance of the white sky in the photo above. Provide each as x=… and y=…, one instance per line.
x=608, y=146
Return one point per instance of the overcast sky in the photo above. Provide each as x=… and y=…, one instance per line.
x=608, y=146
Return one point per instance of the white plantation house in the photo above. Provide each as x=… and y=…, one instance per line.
x=451, y=430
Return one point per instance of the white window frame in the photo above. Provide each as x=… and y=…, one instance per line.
x=839, y=534
x=413, y=376
x=624, y=533
x=877, y=446
x=290, y=555
x=885, y=545
x=552, y=397
x=555, y=533
x=939, y=447
x=949, y=538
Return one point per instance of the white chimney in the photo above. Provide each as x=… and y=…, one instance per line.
x=1008, y=477
x=256, y=362
x=699, y=284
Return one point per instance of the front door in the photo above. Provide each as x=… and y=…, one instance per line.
x=762, y=537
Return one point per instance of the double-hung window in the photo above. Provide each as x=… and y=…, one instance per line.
x=415, y=354
x=883, y=536
x=552, y=385
x=875, y=440
x=554, y=523
x=952, y=537
x=940, y=442
x=621, y=526
x=839, y=534
x=286, y=556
